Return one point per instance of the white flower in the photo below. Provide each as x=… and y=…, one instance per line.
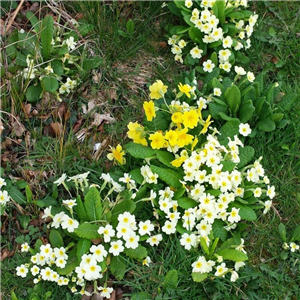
x=154, y=240
x=208, y=66
x=250, y=76
x=244, y=129
x=221, y=270
x=70, y=43
x=196, y=52
x=294, y=247
x=188, y=240
x=105, y=291
x=147, y=261
x=239, y=70
x=132, y=241
x=107, y=231
x=99, y=252
x=145, y=227
x=234, y=216
x=169, y=227
x=22, y=271
x=271, y=192
x=227, y=42
x=25, y=247
x=2, y=182
x=238, y=265
x=47, y=213
x=69, y=224
x=48, y=69
x=268, y=205
x=69, y=203
x=34, y=270
x=116, y=247
x=4, y=197
x=234, y=276
x=188, y=3
x=217, y=92
x=60, y=180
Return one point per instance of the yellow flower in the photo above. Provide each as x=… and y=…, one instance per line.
x=157, y=139
x=177, y=117
x=178, y=161
x=136, y=133
x=117, y=154
x=205, y=125
x=190, y=119
x=185, y=89
x=171, y=136
x=149, y=110
x=184, y=138
x=157, y=90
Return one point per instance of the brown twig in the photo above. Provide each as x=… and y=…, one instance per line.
x=14, y=15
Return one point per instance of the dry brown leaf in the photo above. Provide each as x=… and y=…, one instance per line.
x=57, y=128
x=27, y=110
x=99, y=118
x=17, y=128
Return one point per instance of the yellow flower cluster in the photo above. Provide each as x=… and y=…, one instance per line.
x=182, y=118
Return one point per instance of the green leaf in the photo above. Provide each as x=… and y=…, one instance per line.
x=138, y=253
x=187, y=203
x=33, y=20
x=16, y=195
x=92, y=204
x=91, y=63
x=47, y=35
x=49, y=83
x=136, y=176
x=282, y=232
x=139, y=151
x=219, y=10
x=118, y=267
x=228, y=166
x=215, y=109
x=130, y=26
x=245, y=212
x=226, y=117
x=170, y=177
x=246, y=155
x=171, y=279
x=21, y=60
x=266, y=125
x=219, y=230
x=296, y=234
x=88, y=231
x=229, y=129
x=80, y=210
x=179, y=29
x=165, y=158
x=199, y=277
x=235, y=15
x=56, y=239
x=232, y=254
x=233, y=98
x=214, y=57
x=204, y=245
x=57, y=67
x=246, y=111
x=287, y=102
x=33, y=93
x=277, y=117
x=83, y=247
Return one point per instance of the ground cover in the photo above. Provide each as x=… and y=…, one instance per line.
x=61, y=137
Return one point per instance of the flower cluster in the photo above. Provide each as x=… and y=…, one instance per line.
x=225, y=27
x=292, y=246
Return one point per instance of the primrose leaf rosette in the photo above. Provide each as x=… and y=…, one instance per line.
x=188, y=181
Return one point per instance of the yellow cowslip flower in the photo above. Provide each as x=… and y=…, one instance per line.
x=149, y=110
x=185, y=89
x=171, y=136
x=136, y=133
x=177, y=118
x=190, y=118
x=205, y=125
x=157, y=139
x=184, y=138
x=157, y=90
x=178, y=161
x=117, y=155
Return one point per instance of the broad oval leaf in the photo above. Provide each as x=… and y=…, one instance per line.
x=199, y=277
x=88, y=231
x=138, y=253
x=92, y=204
x=187, y=203
x=83, y=247
x=56, y=239
x=169, y=176
x=171, y=279
x=139, y=151
x=232, y=254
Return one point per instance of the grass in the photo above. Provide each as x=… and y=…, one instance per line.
x=118, y=88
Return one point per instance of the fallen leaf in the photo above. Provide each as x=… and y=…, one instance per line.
x=17, y=128
x=57, y=128
x=99, y=118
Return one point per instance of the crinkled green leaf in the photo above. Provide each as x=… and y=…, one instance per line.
x=171, y=279
x=232, y=254
x=88, y=231
x=139, y=151
x=138, y=253
x=83, y=247
x=92, y=204
x=169, y=176
x=118, y=267
x=56, y=239
x=246, y=155
x=187, y=203
x=199, y=277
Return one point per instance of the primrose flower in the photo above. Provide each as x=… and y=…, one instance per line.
x=244, y=129
x=69, y=224
x=196, y=52
x=105, y=291
x=190, y=118
x=147, y=261
x=208, y=66
x=268, y=205
x=4, y=197
x=185, y=89
x=69, y=203
x=70, y=43
x=158, y=140
x=61, y=180
x=294, y=247
x=154, y=240
x=136, y=133
x=239, y=70
x=2, y=182
x=116, y=247
x=22, y=271
x=25, y=247
x=149, y=110
x=221, y=270
x=157, y=90
x=117, y=155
